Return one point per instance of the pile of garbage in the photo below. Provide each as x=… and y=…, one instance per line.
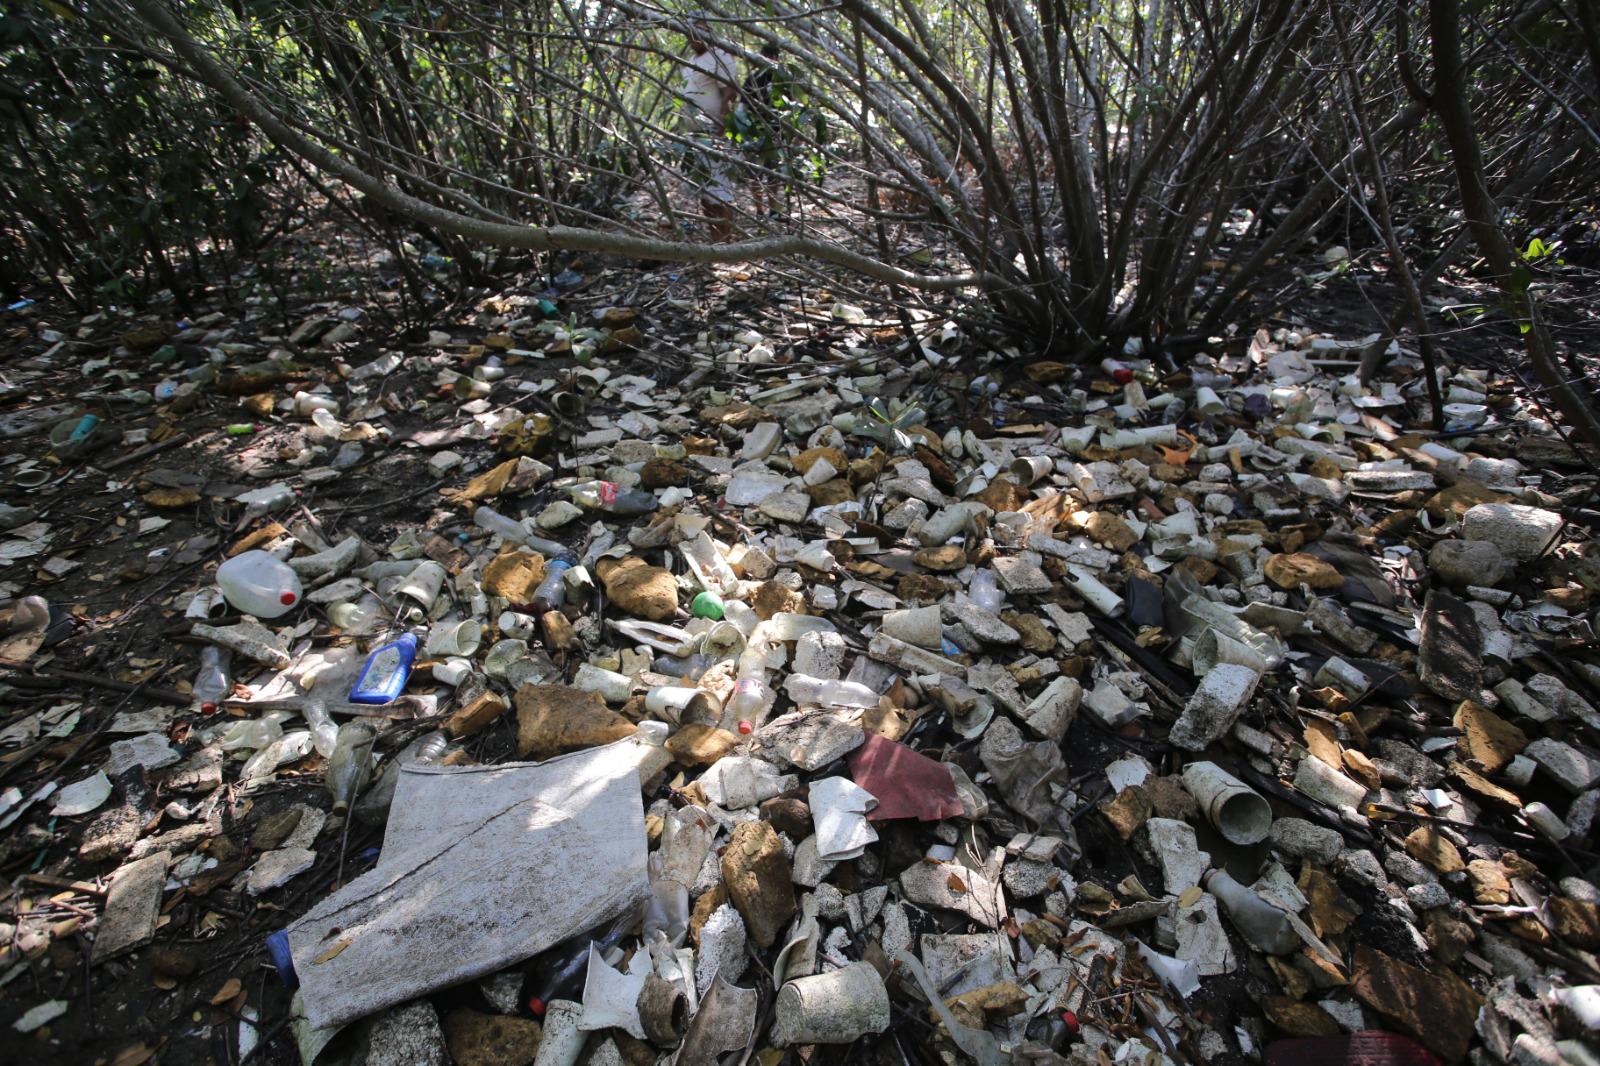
x=1115, y=713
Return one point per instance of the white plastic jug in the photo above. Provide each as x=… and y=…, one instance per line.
x=257, y=583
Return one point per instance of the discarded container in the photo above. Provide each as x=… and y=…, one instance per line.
x=350, y=765
x=816, y=692
x=612, y=498
x=387, y=670
x=831, y=1008
x=214, y=682
x=1239, y=813
x=1266, y=927
x=259, y=584
x=680, y=704
x=552, y=591
x=454, y=638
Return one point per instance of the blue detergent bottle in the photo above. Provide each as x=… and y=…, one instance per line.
x=387, y=670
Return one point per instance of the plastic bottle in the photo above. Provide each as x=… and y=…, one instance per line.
x=324, y=733
x=330, y=426
x=752, y=701
x=356, y=618
x=612, y=498
x=214, y=682
x=428, y=748
x=265, y=501
x=291, y=747
x=1266, y=927
x=514, y=531
x=689, y=668
x=1117, y=370
x=350, y=765
x=985, y=592
x=552, y=591
x=257, y=583
x=558, y=973
x=387, y=670
x=252, y=733
x=817, y=692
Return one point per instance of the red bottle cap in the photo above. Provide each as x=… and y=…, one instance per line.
x=536, y=1005
x=746, y=728
x=1071, y=1021
x=208, y=707
x=287, y=598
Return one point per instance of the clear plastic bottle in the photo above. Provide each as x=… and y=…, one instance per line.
x=259, y=584
x=264, y=501
x=291, y=747
x=751, y=701
x=512, y=530
x=330, y=426
x=214, y=682
x=552, y=591
x=350, y=765
x=324, y=733
x=612, y=498
x=359, y=618
x=1266, y=927
x=689, y=668
x=252, y=733
x=818, y=692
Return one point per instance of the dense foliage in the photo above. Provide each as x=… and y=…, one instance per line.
x=1102, y=168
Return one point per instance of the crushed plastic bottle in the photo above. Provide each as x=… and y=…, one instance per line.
x=612, y=498
x=350, y=765
x=253, y=733
x=214, y=682
x=259, y=584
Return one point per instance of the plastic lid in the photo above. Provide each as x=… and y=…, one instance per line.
x=278, y=951
x=287, y=598
x=745, y=727
x=536, y=1005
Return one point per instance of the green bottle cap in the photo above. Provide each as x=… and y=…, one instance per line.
x=707, y=605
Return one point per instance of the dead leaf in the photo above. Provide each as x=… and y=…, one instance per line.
x=1190, y=896
x=136, y=1055
x=955, y=884
x=333, y=952
x=171, y=498
x=230, y=988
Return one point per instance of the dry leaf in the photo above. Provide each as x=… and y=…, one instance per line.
x=229, y=989
x=136, y=1055
x=1190, y=896
x=955, y=884
x=171, y=498
x=333, y=952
